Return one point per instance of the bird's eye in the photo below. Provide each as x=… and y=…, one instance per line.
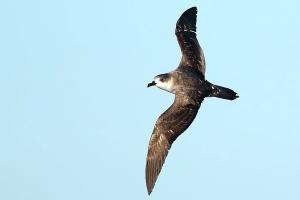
x=162, y=79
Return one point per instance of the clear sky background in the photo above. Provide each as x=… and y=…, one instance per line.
x=76, y=116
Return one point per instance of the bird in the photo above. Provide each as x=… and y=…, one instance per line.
x=190, y=87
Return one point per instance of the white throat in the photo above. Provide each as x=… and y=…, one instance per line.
x=167, y=86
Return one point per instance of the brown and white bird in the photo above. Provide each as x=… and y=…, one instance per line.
x=190, y=87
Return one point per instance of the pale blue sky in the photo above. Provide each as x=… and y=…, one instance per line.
x=76, y=116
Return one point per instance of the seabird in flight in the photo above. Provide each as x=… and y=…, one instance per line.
x=190, y=87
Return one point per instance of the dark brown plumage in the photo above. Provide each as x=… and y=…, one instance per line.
x=178, y=117
x=192, y=54
x=190, y=88
x=174, y=121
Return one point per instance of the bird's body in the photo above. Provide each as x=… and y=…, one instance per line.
x=190, y=87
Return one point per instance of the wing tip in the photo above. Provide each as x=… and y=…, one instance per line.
x=149, y=192
x=194, y=8
x=151, y=177
x=150, y=186
x=191, y=11
x=187, y=21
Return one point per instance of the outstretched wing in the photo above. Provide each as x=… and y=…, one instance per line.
x=192, y=54
x=174, y=121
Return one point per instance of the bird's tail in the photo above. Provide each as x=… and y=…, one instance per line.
x=223, y=92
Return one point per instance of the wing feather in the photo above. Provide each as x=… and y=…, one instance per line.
x=174, y=121
x=192, y=54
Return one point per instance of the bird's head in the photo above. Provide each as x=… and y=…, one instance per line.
x=163, y=81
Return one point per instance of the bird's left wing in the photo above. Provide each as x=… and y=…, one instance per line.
x=192, y=54
x=174, y=121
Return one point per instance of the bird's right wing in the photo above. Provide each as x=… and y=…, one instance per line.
x=174, y=121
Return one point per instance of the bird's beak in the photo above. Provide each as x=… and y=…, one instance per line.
x=151, y=84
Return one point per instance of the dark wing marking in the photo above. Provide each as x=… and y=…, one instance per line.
x=174, y=121
x=192, y=54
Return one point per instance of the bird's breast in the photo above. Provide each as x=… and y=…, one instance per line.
x=186, y=81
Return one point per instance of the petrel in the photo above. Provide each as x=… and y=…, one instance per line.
x=190, y=87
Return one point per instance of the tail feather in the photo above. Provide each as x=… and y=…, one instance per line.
x=223, y=92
